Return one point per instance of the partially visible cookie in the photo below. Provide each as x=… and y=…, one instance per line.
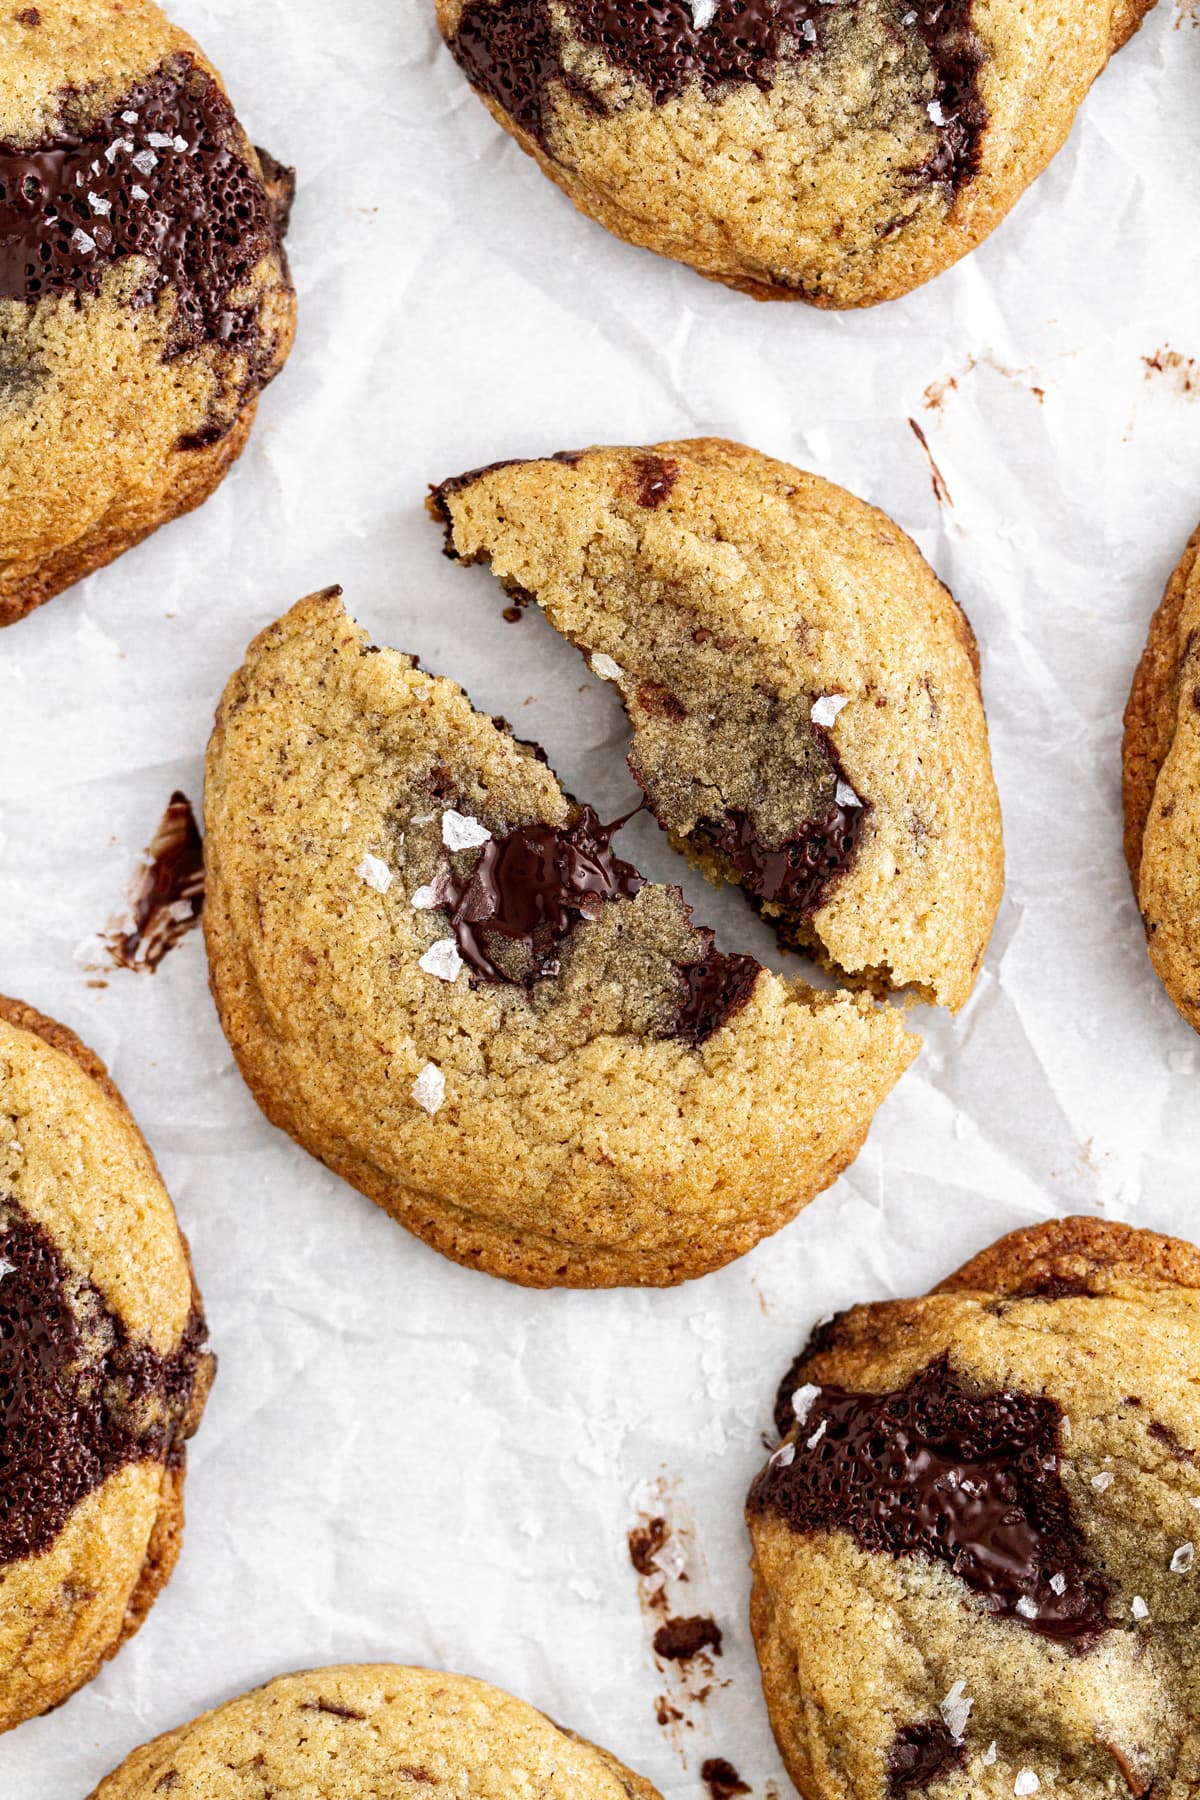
x=803, y=691
x=103, y=1370
x=438, y=975
x=975, y=1570
x=373, y=1730
x=1161, y=783
x=835, y=151
x=145, y=299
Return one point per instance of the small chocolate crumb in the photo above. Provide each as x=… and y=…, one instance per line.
x=722, y=1779
x=645, y=1542
x=30, y=16
x=679, y=1640
x=169, y=894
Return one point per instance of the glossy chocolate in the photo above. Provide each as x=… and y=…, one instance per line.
x=162, y=176
x=169, y=895
x=922, y=1754
x=714, y=989
x=966, y=1479
x=512, y=51
x=532, y=887
x=722, y=1779
x=798, y=874
x=79, y=1397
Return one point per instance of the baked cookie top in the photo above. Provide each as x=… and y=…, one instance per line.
x=974, y=1550
x=373, y=1730
x=1161, y=783
x=835, y=151
x=438, y=974
x=103, y=1372
x=144, y=293
x=803, y=691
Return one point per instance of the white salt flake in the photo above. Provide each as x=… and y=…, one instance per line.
x=606, y=667
x=703, y=13
x=1065, y=1426
x=1026, y=1783
x=1026, y=1607
x=145, y=160
x=936, y=113
x=1184, y=1557
x=442, y=959
x=160, y=140
x=802, y=1401
x=130, y=118
x=1138, y=1607
x=845, y=794
x=139, y=192
x=784, y=1457
x=375, y=873
x=429, y=1089
x=818, y=1434
x=808, y=31
x=424, y=899
x=99, y=205
x=826, y=708
x=118, y=144
x=1103, y=1480
x=6, y=1268
x=81, y=240
x=1058, y=1584
x=461, y=832
x=180, y=144
x=1195, y=1501
x=989, y=1755
x=956, y=1710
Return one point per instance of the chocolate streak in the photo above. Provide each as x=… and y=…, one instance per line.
x=79, y=1397
x=171, y=185
x=532, y=887
x=965, y=1479
x=799, y=874
x=512, y=51
x=169, y=896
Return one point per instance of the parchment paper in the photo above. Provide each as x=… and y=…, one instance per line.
x=405, y=1460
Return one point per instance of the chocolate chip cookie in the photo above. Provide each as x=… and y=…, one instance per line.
x=439, y=976
x=804, y=692
x=103, y=1371
x=1162, y=787
x=145, y=299
x=835, y=151
x=373, y=1730
x=974, y=1551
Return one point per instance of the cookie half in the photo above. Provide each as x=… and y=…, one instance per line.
x=974, y=1551
x=1161, y=785
x=804, y=692
x=145, y=299
x=438, y=975
x=103, y=1370
x=836, y=151
x=374, y=1729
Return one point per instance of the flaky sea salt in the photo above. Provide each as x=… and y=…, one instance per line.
x=802, y=1401
x=845, y=794
x=1184, y=1557
x=1058, y=1584
x=130, y=118
x=110, y=155
x=375, y=873
x=1195, y=1501
x=461, y=832
x=82, y=241
x=1026, y=1607
x=180, y=144
x=424, y=899
x=1026, y=1783
x=826, y=708
x=956, y=1710
x=1101, y=1481
x=99, y=205
x=6, y=1268
x=442, y=959
x=1138, y=1607
x=936, y=112
x=145, y=160
x=605, y=666
x=429, y=1089
x=818, y=1434
x=139, y=192
x=784, y=1457
x=160, y=140
x=703, y=13
x=989, y=1755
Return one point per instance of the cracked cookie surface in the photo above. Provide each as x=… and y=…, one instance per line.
x=974, y=1551
x=438, y=974
x=373, y=1729
x=103, y=1370
x=836, y=151
x=803, y=691
x=145, y=299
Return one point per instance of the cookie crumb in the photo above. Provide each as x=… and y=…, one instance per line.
x=461, y=832
x=442, y=959
x=429, y=1089
x=375, y=873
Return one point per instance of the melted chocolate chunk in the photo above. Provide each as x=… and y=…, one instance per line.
x=798, y=874
x=512, y=51
x=531, y=888
x=722, y=1779
x=714, y=990
x=966, y=1479
x=163, y=176
x=79, y=1398
x=679, y=1640
x=921, y=1754
x=169, y=897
